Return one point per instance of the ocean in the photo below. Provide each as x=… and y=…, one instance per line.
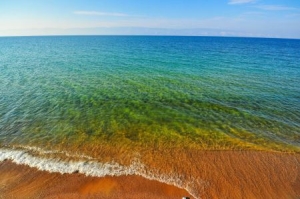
x=115, y=105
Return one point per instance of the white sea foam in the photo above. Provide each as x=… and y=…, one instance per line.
x=92, y=168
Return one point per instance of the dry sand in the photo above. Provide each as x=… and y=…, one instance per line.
x=227, y=174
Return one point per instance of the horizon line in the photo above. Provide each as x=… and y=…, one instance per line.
x=145, y=35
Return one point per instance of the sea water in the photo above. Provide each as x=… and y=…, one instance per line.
x=135, y=101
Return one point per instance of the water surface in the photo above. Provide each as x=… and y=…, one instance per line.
x=122, y=98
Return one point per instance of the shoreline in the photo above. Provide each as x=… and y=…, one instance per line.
x=22, y=181
x=231, y=174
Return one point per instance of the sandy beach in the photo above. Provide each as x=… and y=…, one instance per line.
x=227, y=174
x=19, y=181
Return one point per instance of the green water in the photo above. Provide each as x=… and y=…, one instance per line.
x=136, y=93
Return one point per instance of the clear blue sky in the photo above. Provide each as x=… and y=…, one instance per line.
x=262, y=18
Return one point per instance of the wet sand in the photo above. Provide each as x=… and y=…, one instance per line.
x=19, y=181
x=224, y=174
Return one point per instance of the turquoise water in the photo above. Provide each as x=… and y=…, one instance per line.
x=214, y=92
x=141, y=105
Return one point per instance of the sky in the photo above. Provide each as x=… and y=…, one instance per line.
x=250, y=18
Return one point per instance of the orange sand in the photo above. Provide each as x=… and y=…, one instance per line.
x=18, y=181
x=225, y=174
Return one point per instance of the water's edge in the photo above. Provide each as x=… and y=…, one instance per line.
x=88, y=167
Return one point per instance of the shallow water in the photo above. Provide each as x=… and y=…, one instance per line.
x=118, y=99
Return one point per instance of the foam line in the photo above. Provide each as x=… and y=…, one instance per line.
x=90, y=167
